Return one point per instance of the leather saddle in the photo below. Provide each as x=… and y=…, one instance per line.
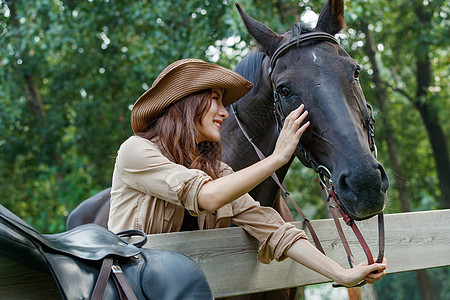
x=91, y=262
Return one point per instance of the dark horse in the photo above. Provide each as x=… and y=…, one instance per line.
x=319, y=74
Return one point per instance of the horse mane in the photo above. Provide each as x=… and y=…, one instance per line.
x=250, y=67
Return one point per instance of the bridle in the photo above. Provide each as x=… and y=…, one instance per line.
x=323, y=173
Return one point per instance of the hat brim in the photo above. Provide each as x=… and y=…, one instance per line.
x=181, y=79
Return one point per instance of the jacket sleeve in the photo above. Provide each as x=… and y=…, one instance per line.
x=143, y=167
x=266, y=225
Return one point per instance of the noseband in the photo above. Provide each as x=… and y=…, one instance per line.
x=324, y=174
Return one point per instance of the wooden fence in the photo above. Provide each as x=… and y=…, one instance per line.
x=414, y=241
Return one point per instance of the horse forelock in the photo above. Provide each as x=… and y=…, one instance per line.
x=250, y=66
x=298, y=29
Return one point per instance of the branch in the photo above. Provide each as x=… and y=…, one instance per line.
x=401, y=91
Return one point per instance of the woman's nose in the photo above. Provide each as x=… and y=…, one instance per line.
x=223, y=112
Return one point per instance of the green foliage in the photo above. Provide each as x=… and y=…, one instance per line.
x=88, y=61
x=303, y=186
x=397, y=32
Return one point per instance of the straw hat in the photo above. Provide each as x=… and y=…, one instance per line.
x=182, y=78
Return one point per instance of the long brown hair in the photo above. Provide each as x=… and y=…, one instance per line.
x=175, y=133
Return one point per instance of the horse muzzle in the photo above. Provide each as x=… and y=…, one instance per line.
x=362, y=189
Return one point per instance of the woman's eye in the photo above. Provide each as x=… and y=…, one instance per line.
x=284, y=91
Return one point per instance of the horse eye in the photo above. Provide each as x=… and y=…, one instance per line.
x=357, y=71
x=284, y=91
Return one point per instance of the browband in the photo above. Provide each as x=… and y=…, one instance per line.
x=311, y=36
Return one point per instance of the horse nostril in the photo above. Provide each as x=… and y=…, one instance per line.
x=345, y=186
x=384, y=179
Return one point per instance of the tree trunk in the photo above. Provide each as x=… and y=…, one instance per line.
x=389, y=133
x=368, y=292
x=287, y=11
x=426, y=291
x=438, y=143
x=35, y=100
x=427, y=110
x=405, y=198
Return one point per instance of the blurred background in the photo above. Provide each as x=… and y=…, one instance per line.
x=70, y=71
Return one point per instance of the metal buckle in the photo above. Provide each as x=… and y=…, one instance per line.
x=324, y=172
x=116, y=269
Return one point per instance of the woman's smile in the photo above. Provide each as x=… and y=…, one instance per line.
x=218, y=124
x=209, y=126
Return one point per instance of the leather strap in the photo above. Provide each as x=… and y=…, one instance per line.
x=381, y=238
x=133, y=232
x=123, y=287
x=277, y=181
x=341, y=234
x=311, y=36
x=122, y=282
x=102, y=279
x=348, y=220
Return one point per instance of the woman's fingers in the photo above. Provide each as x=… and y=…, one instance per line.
x=376, y=272
x=291, y=133
x=372, y=278
x=296, y=116
x=303, y=127
x=370, y=273
x=295, y=119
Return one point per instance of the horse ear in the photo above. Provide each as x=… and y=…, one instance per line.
x=331, y=18
x=264, y=36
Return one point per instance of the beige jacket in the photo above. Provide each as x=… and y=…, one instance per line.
x=150, y=193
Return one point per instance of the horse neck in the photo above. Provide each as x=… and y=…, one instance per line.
x=255, y=112
x=239, y=153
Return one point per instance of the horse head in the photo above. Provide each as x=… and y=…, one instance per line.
x=322, y=76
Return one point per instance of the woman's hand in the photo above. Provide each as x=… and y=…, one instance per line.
x=363, y=271
x=216, y=193
x=290, y=134
x=306, y=254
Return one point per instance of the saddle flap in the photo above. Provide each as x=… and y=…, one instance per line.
x=91, y=242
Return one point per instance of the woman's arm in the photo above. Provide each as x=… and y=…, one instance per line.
x=306, y=254
x=215, y=194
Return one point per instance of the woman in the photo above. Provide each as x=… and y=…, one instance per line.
x=168, y=176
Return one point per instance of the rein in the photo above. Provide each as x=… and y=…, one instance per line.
x=324, y=174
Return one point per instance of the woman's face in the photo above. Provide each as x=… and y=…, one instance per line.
x=209, y=126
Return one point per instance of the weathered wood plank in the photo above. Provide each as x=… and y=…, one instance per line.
x=18, y=282
x=228, y=256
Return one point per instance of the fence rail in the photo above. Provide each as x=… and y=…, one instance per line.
x=414, y=241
